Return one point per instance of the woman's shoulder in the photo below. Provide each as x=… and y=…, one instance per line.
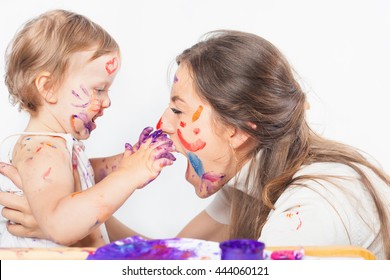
x=339, y=177
x=326, y=169
x=336, y=186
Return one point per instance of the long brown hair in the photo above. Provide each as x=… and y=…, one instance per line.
x=246, y=80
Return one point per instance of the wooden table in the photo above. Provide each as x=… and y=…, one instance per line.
x=70, y=253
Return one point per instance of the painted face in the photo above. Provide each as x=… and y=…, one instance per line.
x=83, y=96
x=189, y=122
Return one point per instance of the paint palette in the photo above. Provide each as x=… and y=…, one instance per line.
x=137, y=248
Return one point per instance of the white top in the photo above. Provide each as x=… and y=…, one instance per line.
x=319, y=213
x=85, y=171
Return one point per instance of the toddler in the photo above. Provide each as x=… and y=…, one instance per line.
x=59, y=69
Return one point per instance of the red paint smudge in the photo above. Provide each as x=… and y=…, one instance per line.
x=183, y=124
x=40, y=148
x=300, y=224
x=193, y=147
x=212, y=177
x=300, y=221
x=159, y=123
x=46, y=173
x=196, y=131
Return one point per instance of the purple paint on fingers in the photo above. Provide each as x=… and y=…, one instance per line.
x=167, y=156
x=156, y=134
x=144, y=135
x=129, y=147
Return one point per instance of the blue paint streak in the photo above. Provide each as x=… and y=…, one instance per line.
x=196, y=164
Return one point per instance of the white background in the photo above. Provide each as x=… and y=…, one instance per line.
x=341, y=50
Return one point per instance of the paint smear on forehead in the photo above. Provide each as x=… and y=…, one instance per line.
x=112, y=65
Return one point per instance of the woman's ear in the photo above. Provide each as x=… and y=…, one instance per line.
x=238, y=136
x=45, y=87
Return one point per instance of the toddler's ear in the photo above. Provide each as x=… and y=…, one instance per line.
x=45, y=87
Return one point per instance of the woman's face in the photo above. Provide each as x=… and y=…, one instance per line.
x=198, y=136
x=83, y=96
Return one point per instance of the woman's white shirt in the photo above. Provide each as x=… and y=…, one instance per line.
x=318, y=212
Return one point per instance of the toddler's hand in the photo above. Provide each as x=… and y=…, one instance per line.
x=148, y=157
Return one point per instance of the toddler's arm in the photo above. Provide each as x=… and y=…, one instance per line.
x=67, y=216
x=105, y=165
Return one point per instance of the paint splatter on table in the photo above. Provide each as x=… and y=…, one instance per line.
x=137, y=248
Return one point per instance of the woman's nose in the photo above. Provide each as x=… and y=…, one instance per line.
x=165, y=123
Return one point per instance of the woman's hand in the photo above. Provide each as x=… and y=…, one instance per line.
x=16, y=208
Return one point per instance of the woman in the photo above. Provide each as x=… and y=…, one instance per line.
x=238, y=114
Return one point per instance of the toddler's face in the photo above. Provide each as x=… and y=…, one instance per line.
x=83, y=96
x=198, y=136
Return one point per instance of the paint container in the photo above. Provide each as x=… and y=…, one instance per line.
x=242, y=249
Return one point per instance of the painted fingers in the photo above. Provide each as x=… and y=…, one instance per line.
x=150, y=155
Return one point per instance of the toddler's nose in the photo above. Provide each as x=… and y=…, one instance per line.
x=106, y=102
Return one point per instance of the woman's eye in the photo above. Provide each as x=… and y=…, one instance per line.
x=175, y=111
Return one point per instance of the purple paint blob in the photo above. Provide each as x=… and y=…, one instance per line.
x=87, y=123
x=242, y=249
x=137, y=248
x=129, y=147
x=102, y=173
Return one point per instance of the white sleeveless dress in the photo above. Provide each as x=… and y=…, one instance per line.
x=85, y=171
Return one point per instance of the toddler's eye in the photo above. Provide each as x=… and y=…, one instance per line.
x=100, y=91
x=175, y=111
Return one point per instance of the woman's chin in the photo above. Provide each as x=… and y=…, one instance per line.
x=203, y=188
x=194, y=180
x=201, y=194
x=188, y=172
